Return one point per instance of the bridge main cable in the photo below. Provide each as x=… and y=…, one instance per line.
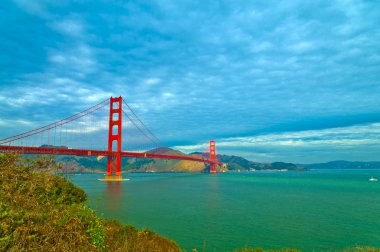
x=143, y=124
x=55, y=124
x=133, y=122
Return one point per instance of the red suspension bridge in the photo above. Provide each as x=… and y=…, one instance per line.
x=85, y=134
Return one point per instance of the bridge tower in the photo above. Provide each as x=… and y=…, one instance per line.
x=212, y=156
x=114, y=139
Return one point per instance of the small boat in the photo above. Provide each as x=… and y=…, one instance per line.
x=373, y=179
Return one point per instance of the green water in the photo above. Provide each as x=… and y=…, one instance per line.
x=313, y=211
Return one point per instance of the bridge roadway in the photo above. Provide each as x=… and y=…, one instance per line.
x=80, y=152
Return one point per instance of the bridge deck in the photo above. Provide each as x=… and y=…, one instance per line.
x=80, y=152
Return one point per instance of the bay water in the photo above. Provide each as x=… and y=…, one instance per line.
x=317, y=210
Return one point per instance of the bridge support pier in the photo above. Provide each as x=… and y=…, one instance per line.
x=213, y=156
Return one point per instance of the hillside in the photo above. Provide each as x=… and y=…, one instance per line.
x=233, y=163
x=43, y=212
x=240, y=163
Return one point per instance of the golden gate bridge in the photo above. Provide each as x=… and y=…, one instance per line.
x=98, y=131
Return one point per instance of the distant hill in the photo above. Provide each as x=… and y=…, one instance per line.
x=166, y=151
x=240, y=163
x=233, y=163
x=341, y=164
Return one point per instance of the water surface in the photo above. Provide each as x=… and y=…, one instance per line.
x=314, y=210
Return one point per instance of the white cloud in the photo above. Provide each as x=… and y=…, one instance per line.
x=69, y=27
x=54, y=90
x=79, y=59
x=302, y=46
x=261, y=46
x=33, y=7
x=360, y=135
x=4, y=122
x=152, y=81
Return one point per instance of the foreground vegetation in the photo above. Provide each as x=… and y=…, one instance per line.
x=43, y=212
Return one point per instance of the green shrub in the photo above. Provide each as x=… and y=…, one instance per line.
x=43, y=212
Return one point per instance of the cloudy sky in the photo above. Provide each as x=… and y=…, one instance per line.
x=290, y=80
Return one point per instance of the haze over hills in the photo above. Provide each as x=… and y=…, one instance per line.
x=233, y=163
x=342, y=164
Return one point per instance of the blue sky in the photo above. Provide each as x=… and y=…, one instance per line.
x=295, y=81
